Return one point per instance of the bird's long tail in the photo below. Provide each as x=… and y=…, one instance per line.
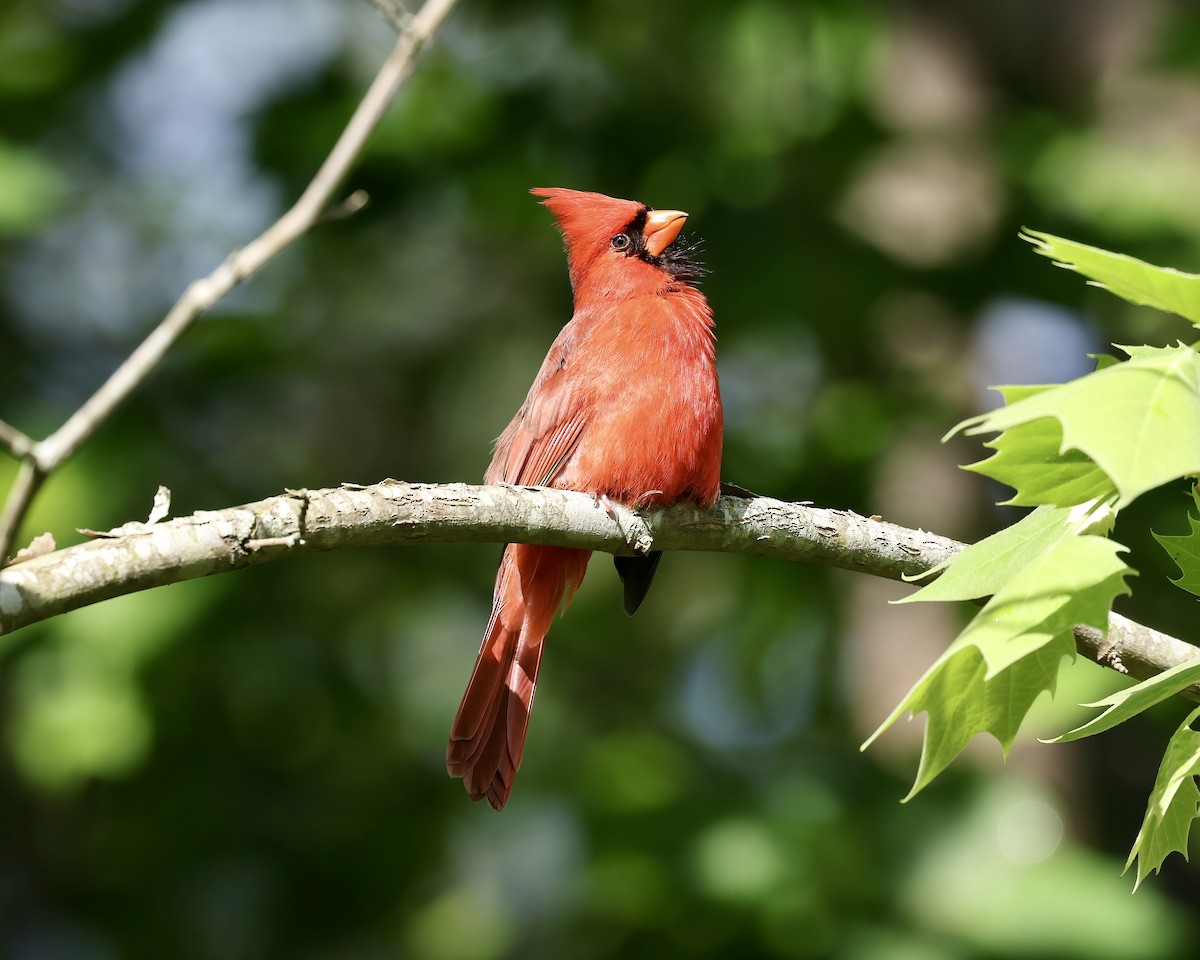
x=488, y=735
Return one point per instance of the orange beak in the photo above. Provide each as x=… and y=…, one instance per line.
x=662, y=227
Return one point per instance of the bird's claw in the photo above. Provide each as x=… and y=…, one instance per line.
x=608, y=507
x=633, y=527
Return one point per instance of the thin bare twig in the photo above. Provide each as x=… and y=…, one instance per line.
x=29, y=480
x=238, y=267
x=394, y=12
x=15, y=440
x=347, y=208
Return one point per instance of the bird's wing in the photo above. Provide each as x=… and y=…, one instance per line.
x=544, y=433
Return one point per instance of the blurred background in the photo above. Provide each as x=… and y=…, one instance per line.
x=251, y=766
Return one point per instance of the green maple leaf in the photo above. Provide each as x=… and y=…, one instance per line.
x=986, y=568
x=1174, y=803
x=980, y=569
x=1131, y=279
x=1030, y=458
x=1073, y=582
x=1185, y=551
x=1044, y=578
x=1138, y=421
x=1131, y=701
x=961, y=702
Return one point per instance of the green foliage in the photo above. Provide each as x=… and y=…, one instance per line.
x=30, y=190
x=77, y=711
x=1079, y=452
x=1174, y=803
x=1185, y=551
x=1031, y=459
x=1129, y=278
x=1131, y=701
x=1042, y=576
x=1138, y=421
x=992, y=882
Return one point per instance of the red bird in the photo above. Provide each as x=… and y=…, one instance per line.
x=626, y=406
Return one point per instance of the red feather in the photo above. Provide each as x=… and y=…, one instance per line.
x=626, y=405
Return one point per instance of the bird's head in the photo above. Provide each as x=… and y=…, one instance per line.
x=618, y=248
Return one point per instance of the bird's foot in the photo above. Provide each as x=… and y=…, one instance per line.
x=608, y=507
x=633, y=528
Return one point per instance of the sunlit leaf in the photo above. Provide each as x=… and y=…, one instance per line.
x=1174, y=803
x=980, y=569
x=1123, y=704
x=1044, y=578
x=1030, y=459
x=986, y=568
x=961, y=702
x=1073, y=582
x=1131, y=279
x=1138, y=421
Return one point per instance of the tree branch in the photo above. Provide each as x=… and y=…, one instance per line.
x=139, y=556
x=394, y=12
x=239, y=266
x=24, y=488
x=15, y=440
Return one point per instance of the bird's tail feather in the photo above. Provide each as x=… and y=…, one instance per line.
x=488, y=735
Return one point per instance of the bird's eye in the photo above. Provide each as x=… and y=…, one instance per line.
x=620, y=241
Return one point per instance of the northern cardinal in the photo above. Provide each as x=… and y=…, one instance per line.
x=626, y=407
